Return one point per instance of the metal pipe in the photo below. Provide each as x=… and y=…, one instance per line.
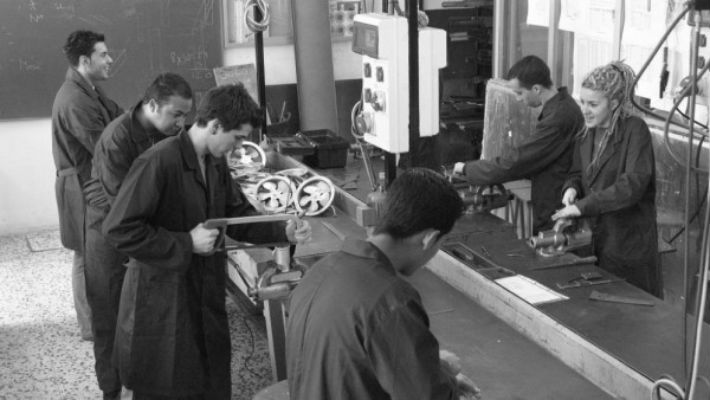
x=689, y=155
x=282, y=257
x=413, y=34
x=553, y=239
x=313, y=52
x=260, y=79
x=499, y=39
x=390, y=168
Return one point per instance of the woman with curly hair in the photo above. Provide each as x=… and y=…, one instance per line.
x=613, y=179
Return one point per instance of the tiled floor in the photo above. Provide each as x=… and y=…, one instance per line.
x=41, y=353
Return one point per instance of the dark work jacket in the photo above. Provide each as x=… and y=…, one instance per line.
x=545, y=157
x=356, y=330
x=121, y=142
x=619, y=197
x=79, y=115
x=172, y=324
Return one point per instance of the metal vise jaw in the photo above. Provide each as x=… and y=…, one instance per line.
x=555, y=242
x=486, y=198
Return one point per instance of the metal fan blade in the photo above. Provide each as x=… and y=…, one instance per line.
x=264, y=196
x=314, y=206
x=304, y=200
x=323, y=187
x=282, y=198
x=269, y=185
x=310, y=189
x=283, y=187
x=322, y=197
x=273, y=204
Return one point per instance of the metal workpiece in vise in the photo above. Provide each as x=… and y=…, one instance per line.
x=277, y=281
x=274, y=284
x=566, y=236
x=485, y=198
x=477, y=198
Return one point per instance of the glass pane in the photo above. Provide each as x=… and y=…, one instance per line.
x=528, y=39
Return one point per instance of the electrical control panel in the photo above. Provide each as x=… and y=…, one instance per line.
x=382, y=40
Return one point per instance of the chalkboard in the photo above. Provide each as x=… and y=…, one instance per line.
x=144, y=37
x=244, y=74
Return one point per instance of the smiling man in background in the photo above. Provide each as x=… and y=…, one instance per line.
x=80, y=113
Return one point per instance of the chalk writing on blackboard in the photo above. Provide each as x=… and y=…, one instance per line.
x=246, y=74
x=144, y=37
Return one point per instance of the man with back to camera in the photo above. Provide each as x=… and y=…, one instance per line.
x=172, y=336
x=159, y=114
x=356, y=329
x=545, y=157
x=80, y=113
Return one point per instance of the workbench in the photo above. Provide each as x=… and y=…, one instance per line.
x=620, y=348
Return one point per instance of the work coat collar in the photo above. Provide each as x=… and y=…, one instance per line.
x=612, y=148
x=139, y=134
x=94, y=92
x=552, y=104
x=364, y=249
x=189, y=156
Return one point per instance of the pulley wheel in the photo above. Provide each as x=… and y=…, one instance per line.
x=274, y=193
x=314, y=195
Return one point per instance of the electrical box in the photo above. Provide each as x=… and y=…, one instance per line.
x=382, y=40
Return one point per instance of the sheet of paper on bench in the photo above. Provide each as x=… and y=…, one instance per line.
x=530, y=290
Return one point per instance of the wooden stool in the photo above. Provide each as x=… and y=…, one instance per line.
x=277, y=391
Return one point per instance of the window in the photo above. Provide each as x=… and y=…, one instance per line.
x=280, y=30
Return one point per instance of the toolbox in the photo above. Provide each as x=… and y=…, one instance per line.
x=331, y=149
x=294, y=146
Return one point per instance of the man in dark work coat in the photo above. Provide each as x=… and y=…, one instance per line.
x=161, y=113
x=80, y=113
x=356, y=329
x=172, y=337
x=545, y=157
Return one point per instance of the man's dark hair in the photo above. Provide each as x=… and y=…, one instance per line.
x=231, y=105
x=419, y=199
x=81, y=43
x=166, y=85
x=529, y=71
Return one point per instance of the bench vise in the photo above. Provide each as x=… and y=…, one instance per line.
x=485, y=198
x=566, y=236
